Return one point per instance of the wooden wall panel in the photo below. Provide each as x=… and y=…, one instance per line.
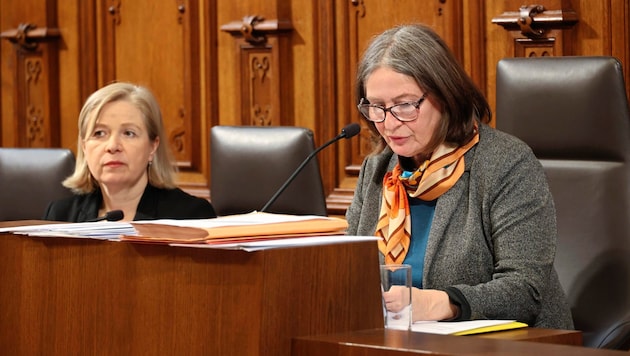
x=156, y=45
x=305, y=41
x=179, y=50
x=474, y=41
x=228, y=52
x=263, y=73
x=30, y=77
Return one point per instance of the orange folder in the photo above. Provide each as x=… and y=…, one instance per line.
x=166, y=233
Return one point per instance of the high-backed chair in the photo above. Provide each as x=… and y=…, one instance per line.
x=250, y=163
x=573, y=112
x=30, y=178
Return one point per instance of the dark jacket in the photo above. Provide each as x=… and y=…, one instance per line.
x=156, y=203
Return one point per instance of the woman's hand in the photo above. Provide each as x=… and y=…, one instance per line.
x=396, y=298
x=431, y=304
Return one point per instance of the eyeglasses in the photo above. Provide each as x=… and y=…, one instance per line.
x=404, y=111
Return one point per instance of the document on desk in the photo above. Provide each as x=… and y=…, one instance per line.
x=253, y=226
x=243, y=231
x=468, y=327
x=285, y=242
x=104, y=230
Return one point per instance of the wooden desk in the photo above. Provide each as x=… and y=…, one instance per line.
x=383, y=342
x=61, y=296
x=549, y=336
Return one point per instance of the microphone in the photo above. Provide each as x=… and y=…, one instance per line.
x=348, y=131
x=113, y=215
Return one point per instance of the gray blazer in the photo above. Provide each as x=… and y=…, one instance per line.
x=493, y=236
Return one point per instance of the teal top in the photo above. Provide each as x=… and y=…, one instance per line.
x=421, y=217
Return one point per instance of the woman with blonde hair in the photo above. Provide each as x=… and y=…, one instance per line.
x=123, y=162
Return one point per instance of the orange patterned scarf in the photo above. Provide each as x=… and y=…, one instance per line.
x=436, y=176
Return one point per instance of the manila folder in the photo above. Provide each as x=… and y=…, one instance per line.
x=276, y=227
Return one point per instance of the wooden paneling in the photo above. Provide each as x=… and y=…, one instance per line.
x=36, y=80
x=204, y=76
x=323, y=103
x=156, y=45
x=30, y=52
x=263, y=73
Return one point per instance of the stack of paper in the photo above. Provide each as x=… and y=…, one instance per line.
x=235, y=228
x=465, y=327
x=105, y=230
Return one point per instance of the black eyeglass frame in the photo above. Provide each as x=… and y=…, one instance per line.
x=416, y=103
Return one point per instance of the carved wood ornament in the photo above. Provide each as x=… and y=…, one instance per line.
x=537, y=31
x=36, y=84
x=261, y=52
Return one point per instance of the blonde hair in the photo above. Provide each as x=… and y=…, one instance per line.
x=161, y=171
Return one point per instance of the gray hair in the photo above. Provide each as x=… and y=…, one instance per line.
x=417, y=51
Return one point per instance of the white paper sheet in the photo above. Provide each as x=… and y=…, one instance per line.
x=452, y=327
x=113, y=230
x=283, y=242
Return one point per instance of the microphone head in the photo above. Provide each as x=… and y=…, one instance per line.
x=351, y=130
x=114, y=215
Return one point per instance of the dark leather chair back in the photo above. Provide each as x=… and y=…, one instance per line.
x=30, y=178
x=250, y=163
x=573, y=112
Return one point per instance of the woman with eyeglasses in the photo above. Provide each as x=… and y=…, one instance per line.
x=467, y=206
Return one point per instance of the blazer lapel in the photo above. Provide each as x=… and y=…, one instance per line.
x=445, y=208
